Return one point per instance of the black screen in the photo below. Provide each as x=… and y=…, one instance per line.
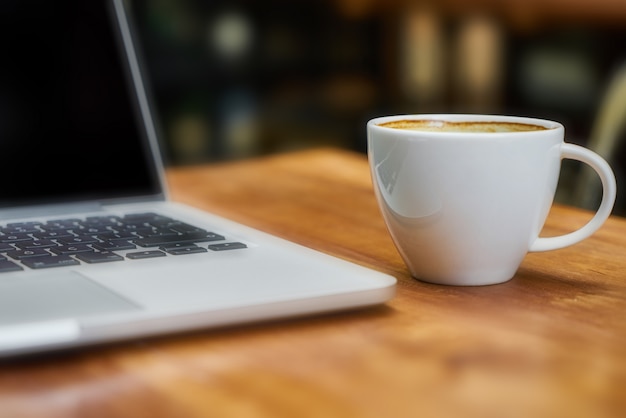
x=69, y=121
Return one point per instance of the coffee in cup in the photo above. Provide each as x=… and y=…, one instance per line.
x=435, y=125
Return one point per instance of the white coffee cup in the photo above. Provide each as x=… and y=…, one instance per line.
x=465, y=205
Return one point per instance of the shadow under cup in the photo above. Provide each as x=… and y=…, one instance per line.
x=465, y=196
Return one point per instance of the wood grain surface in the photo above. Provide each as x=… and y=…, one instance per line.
x=549, y=343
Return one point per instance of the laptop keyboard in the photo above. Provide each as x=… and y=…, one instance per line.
x=102, y=239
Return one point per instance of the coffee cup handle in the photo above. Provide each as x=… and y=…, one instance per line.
x=609, y=190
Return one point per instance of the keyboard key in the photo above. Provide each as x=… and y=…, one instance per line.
x=227, y=246
x=79, y=239
x=9, y=238
x=7, y=266
x=154, y=232
x=191, y=237
x=21, y=228
x=145, y=254
x=184, y=249
x=38, y=243
x=113, y=236
x=187, y=250
x=23, y=224
x=177, y=226
x=61, y=223
x=143, y=232
x=20, y=254
x=176, y=245
x=71, y=249
x=49, y=261
x=143, y=218
x=101, y=257
x=91, y=230
x=53, y=234
x=4, y=247
x=101, y=221
x=114, y=246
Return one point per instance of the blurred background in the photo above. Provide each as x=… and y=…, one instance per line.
x=240, y=78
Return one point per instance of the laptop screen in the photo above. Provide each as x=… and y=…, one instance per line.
x=69, y=124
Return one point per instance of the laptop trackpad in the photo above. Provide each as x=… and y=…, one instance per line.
x=56, y=295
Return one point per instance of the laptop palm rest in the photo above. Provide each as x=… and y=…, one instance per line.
x=56, y=295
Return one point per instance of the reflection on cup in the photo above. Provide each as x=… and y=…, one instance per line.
x=406, y=189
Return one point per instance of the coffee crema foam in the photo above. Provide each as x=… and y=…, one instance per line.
x=430, y=125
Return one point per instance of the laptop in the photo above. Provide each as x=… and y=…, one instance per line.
x=91, y=248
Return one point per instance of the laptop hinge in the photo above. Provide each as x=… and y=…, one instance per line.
x=49, y=210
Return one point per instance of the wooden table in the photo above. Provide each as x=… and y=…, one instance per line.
x=549, y=343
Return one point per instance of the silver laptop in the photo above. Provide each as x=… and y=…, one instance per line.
x=91, y=249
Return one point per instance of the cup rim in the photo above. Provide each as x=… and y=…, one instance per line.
x=551, y=125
